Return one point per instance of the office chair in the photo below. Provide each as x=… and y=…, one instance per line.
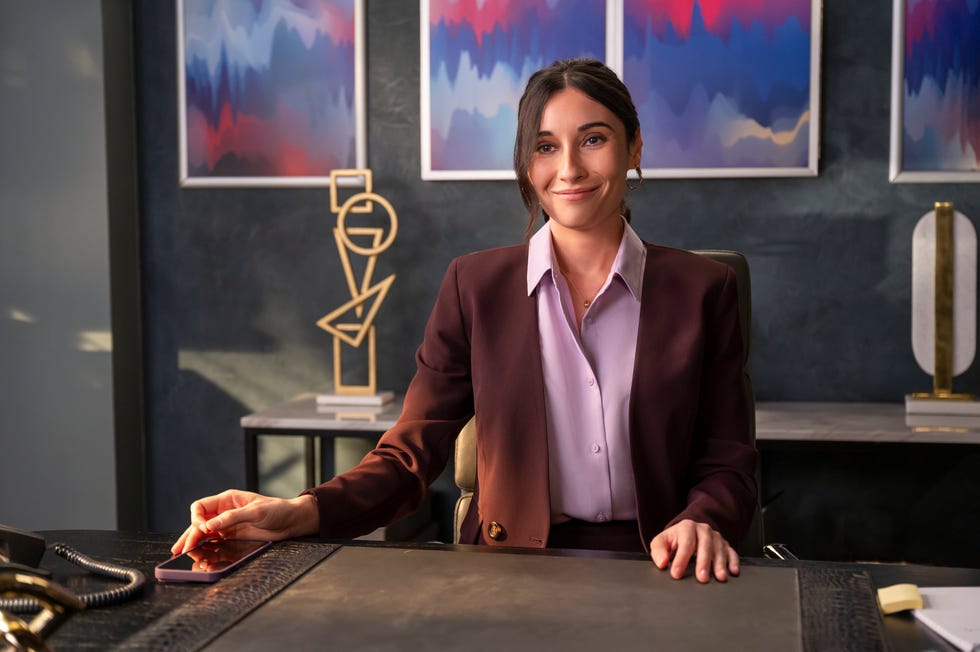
x=752, y=545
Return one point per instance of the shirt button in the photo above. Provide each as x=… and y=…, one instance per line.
x=595, y=448
x=591, y=382
x=600, y=517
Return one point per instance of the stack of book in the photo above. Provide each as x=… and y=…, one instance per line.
x=937, y=413
x=379, y=398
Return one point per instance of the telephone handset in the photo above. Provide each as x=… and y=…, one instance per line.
x=32, y=591
x=21, y=552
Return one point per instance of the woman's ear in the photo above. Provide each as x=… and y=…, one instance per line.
x=636, y=150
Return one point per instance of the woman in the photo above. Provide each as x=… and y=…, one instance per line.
x=605, y=373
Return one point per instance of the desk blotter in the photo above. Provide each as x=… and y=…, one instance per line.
x=365, y=598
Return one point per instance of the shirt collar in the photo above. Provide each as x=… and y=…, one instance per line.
x=628, y=264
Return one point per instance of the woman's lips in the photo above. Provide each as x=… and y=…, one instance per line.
x=575, y=193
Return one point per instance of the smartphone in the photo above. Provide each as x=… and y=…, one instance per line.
x=209, y=561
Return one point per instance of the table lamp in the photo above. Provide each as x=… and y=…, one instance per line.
x=944, y=311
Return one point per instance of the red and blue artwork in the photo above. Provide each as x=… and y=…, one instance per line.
x=480, y=54
x=941, y=86
x=723, y=87
x=269, y=91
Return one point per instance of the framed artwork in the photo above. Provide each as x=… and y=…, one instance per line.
x=935, y=120
x=270, y=93
x=724, y=88
x=476, y=57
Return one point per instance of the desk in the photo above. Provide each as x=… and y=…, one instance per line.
x=440, y=610
x=321, y=424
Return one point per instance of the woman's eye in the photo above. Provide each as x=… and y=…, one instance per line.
x=545, y=148
x=594, y=139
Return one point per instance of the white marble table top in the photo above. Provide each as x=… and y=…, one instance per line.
x=775, y=421
x=303, y=413
x=855, y=422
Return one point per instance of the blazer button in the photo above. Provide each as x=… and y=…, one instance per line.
x=496, y=531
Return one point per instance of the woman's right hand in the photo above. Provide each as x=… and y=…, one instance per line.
x=235, y=514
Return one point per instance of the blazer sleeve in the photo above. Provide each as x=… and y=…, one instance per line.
x=721, y=478
x=391, y=481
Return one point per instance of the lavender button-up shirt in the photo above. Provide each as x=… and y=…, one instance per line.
x=587, y=379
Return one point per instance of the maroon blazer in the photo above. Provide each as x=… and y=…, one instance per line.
x=689, y=420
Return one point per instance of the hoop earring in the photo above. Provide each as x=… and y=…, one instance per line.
x=639, y=173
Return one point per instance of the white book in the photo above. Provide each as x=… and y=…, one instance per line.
x=953, y=612
x=381, y=398
x=941, y=406
x=939, y=421
x=350, y=412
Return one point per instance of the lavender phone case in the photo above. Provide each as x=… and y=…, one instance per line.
x=225, y=555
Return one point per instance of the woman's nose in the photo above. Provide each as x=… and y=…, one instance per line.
x=571, y=164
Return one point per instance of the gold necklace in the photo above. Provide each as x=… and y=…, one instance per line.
x=586, y=301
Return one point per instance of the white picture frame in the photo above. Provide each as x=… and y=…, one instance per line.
x=270, y=153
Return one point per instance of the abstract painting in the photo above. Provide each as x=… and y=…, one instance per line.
x=477, y=55
x=270, y=92
x=935, y=126
x=724, y=88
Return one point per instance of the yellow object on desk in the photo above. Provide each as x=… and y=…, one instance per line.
x=899, y=597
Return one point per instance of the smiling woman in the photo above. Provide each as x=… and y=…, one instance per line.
x=579, y=165
x=605, y=374
x=578, y=172
x=602, y=88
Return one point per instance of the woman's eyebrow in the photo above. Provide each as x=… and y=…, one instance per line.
x=585, y=127
x=593, y=125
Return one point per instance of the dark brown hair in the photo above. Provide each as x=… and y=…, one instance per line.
x=591, y=77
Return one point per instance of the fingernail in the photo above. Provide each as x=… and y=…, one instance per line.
x=703, y=574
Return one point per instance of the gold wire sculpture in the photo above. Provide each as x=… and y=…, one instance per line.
x=353, y=322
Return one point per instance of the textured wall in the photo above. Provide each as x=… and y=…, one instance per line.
x=235, y=278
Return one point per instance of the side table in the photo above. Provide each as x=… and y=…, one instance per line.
x=304, y=417
x=850, y=481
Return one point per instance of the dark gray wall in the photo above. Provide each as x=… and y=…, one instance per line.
x=234, y=279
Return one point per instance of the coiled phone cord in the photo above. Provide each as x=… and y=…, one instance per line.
x=135, y=582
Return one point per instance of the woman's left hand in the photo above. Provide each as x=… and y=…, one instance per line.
x=688, y=538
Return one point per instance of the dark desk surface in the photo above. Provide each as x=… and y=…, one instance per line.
x=425, y=599
x=112, y=627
